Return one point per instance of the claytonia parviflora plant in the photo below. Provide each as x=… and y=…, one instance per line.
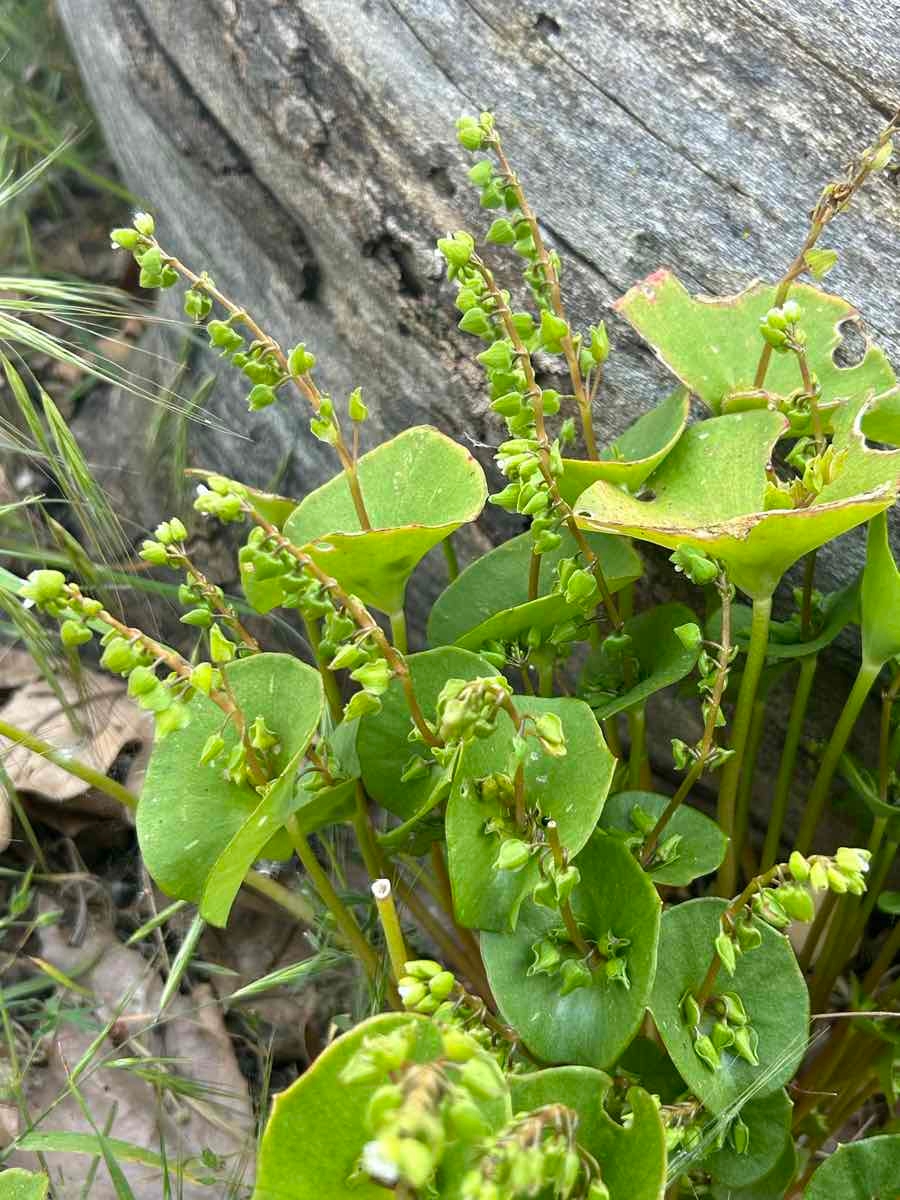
x=584, y=986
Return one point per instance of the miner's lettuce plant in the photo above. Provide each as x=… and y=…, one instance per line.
x=593, y=992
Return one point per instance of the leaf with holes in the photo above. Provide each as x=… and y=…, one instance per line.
x=662, y=660
x=632, y=1158
x=780, y=1015
x=489, y=599
x=635, y=454
x=591, y=1025
x=418, y=488
x=188, y=813
x=570, y=789
x=713, y=344
x=383, y=741
x=859, y=1171
x=700, y=848
x=710, y=493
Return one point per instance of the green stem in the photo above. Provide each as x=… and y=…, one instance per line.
x=731, y=774
x=362, y=825
x=775, y=830
x=637, y=729
x=868, y=673
x=611, y=736
x=72, y=766
x=390, y=923
x=534, y=575
x=290, y=901
x=545, y=678
x=344, y=919
x=450, y=555
x=398, y=630
x=745, y=786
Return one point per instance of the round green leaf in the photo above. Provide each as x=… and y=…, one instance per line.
x=647, y=1063
x=889, y=903
x=712, y=344
x=418, y=488
x=383, y=741
x=841, y=608
x=635, y=454
x=489, y=599
x=859, y=1171
x=769, y=1122
x=591, y=1025
x=700, y=850
x=710, y=493
x=16, y=1184
x=315, y=1135
x=188, y=813
x=769, y=983
x=571, y=789
x=632, y=1159
x=662, y=661
x=771, y=1187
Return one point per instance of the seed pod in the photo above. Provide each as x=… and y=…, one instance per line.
x=74, y=633
x=513, y=855
x=706, y=1052
x=482, y=1077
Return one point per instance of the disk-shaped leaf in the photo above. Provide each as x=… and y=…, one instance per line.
x=769, y=983
x=771, y=1187
x=662, y=661
x=769, y=1122
x=632, y=1160
x=713, y=344
x=489, y=599
x=315, y=1136
x=417, y=488
x=571, y=789
x=592, y=1025
x=635, y=454
x=840, y=609
x=880, y=597
x=710, y=493
x=16, y=1184
x=188, y=813
x=702, y=843
x=859, y=1171
x=383, y=741
x=646, y=1063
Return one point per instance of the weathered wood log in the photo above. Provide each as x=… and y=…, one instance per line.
x=304, y=153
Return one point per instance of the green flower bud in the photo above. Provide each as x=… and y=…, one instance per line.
x=197, y=305
x=574, y=974
x=599, y=343
x=197, y=618
x=501, y=232
x=171, y=719
x=43, y=587
x=144, y=224
x=221, y=647
x=581, y=587
x=469, y=133
x=373, y=676
x=696, y=565
x=383, y=1103
x=482, y=1077
x=475, y=320
x=356, y=410
x=74, y=633
x=746, y=1040
x=553, y=329
x=706, y=1052
x=740, y=1136
x=598, y=1190
x=411, y=991
x=726, y=951
x=300, y=360
x=482, y=172
x=513, y=855
x=798, y=866
x=690, y=1010
x=690, y=635
x=722, y=1035
x=836, y=881
x=498, y=357
x=362, y=704
x=142, y=681
x=442, y=984
x=212, y=748
x=457, y=249
x=797, y=902
x=154, y=553
x=458, y=1046
x=128, y=239
x=261, y=396
x=118, y=656
x=466, y=1120
x=818, y=876
x=547, y=956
